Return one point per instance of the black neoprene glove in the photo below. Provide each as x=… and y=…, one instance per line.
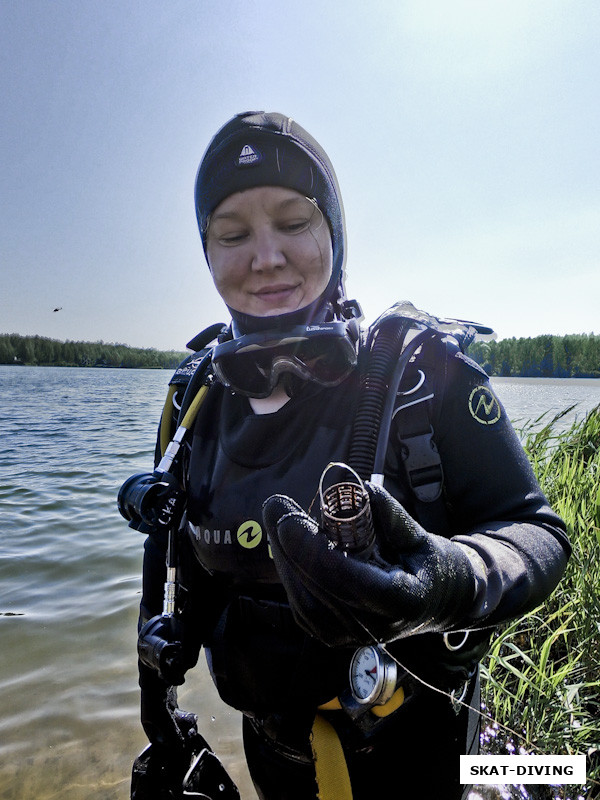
x=159, y=771
x=164, y=723
x=414, y=582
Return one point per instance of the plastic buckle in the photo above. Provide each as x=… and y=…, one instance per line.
x=423, y=466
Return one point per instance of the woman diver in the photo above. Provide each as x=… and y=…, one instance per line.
x=353, y=662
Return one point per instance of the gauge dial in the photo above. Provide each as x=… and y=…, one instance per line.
x=372, y=675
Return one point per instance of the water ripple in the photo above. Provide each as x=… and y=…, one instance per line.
x=70, y=581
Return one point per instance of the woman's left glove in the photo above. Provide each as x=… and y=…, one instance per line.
x=414, y=582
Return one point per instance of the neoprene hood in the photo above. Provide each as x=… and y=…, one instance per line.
x=256, y=148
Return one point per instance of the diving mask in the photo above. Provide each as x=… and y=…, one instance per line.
x=252, y=364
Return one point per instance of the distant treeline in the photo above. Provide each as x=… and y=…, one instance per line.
x=43, y=352
x=573, y=356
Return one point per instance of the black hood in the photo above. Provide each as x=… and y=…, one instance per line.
x=269, y=149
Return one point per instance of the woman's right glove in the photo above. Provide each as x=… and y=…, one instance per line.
x=178, y=762
x=416, y=582
x=164, y=723
x=159, y=770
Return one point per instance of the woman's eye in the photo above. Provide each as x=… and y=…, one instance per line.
x=235, y=237
x=295, y=226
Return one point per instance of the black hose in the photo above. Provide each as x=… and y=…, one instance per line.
x=386, y=347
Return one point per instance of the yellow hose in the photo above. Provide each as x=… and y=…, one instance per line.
x=392, y=704
x=188, y=420
x=190, y=415
x=333, y=780
x=165, y=420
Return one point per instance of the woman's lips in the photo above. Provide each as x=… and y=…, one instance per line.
x=275, y=295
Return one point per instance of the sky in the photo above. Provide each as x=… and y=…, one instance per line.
x=465, y=135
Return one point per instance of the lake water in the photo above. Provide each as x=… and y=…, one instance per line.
x=70, y=577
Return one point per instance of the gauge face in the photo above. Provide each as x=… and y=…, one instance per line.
x=366, y=674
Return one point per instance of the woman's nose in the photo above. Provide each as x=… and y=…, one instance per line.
x=268, y=253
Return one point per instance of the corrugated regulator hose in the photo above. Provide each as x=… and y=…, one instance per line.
x=383, y=349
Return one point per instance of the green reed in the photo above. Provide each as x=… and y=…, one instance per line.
x=541, y=679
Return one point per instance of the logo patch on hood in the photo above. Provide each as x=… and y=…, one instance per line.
x=248, y=156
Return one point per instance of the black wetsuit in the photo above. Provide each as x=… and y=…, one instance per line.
x=262, y=663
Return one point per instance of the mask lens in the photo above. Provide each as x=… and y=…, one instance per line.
x=252, y=367
x=245, y=373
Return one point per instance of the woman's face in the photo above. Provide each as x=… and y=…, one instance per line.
x=269, y=251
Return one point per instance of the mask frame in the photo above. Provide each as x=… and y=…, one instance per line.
x=252, y=364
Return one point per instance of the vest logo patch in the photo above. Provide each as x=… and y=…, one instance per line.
x=483, y=406
x=249, y=534
x=188, y=369
x=210, y=537
x=248, y=156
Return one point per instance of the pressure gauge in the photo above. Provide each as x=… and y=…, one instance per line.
x=373, y=675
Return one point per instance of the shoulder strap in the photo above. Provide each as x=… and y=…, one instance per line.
x=415, y=409
x=413, y=416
